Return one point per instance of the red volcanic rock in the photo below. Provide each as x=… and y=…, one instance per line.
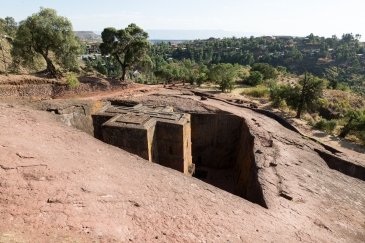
x=58, y=184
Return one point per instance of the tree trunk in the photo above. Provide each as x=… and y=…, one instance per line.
x=124, y=71
x=299, y=111
x=124, y=67
x=301, y=102
x=51, y=69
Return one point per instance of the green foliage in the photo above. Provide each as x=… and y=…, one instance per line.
x=72, y=80
x=326, y=125
x=101, y=67
x=345, y=55
x=355, y=122
x=243, y=72
x=44, y=33
x=128, y=46
x=259, y=91
x=186, y=71
x=105, y=65
x=282, y=69
x=343, y=87
x=224, y=75
x=332, y=74
x=255, y=78
x=8, y=26
x=285, y=93
x=268, y=71
x=311, y=92
x=172, y=71
x=202, y=74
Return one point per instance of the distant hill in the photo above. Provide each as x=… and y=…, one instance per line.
x=88, y=36
x=153, y=41
x=175, y=36
x=192, y=34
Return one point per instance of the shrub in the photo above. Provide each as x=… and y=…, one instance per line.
x=323, y=102
x=307, y=117
x=258, y=91
x=255, y=78
x=268, y=71
x=287, y=93
x=224, y=74
x=355, y=122
x=72, y=80
x=282, y=69
x=202, y=77
x=326, y=125
x=343, y=87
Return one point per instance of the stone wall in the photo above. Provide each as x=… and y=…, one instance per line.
x=173, y=143
x=215, y=137
x=246, y=183
x=222, y=149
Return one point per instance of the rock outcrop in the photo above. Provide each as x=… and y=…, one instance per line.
x=61, y=184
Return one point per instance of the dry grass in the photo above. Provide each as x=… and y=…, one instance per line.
x=344, y=99
x=259, y=91
x=26, y=79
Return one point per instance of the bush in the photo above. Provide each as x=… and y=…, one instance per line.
x=282, y=69
x=326, y=125
x=287, y=93
x=255, y=78
x=268, y=71
x=258, y=91
x=72, y=80
x=343, y=87
x=355, y=122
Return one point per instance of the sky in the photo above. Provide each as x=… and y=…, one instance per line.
x=248, y=17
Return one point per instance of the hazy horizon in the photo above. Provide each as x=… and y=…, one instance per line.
x=213, y=18
x=175, y=34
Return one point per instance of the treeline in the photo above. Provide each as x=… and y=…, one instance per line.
x=341, y=60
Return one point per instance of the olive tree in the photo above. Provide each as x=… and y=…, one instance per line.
x=128, y=46
x=45, y=34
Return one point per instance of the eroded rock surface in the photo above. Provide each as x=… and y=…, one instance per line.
x=60, y=184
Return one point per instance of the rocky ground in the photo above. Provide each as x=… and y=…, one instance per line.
x=58, y=183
